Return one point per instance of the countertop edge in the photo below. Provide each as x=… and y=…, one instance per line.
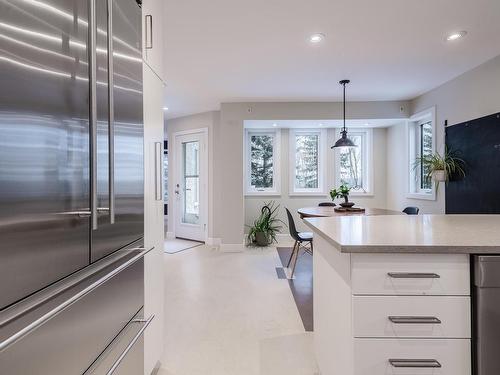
x=405, y=249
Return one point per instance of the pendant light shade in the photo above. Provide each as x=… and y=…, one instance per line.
x=344, y=141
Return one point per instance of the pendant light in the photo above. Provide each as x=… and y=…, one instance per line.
x=344, y=141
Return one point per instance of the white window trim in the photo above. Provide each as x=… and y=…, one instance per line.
x=276, y=189
x=413, y=192
x=322, y=156
x=368, y=162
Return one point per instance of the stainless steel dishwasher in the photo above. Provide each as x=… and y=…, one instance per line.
x=486, y=312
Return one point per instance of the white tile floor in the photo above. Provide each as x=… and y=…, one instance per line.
x=228, y=314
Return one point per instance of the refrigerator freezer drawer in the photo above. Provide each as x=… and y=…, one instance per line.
x=125, y=355
x=70, y=341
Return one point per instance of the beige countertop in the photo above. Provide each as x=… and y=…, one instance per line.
x=469, y=234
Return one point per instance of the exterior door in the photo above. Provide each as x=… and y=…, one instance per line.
x=191, y=186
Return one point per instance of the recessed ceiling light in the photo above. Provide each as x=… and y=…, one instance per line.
x=367, y=124
x=320, y=124
x=165, y=108
x=275, y=124
x=456, y=35
x=317, y=38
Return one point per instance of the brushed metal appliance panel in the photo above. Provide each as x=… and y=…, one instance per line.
x=71, y=341
x=128, y=137
x=44, y=149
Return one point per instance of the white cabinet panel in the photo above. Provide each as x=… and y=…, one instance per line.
x=152, y=34
x=410, y=274
x=153, y=217
x=411, y=316
x=372, y=356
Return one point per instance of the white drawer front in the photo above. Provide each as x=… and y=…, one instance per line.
x=410, y=274
x=372, y=356
x=412, y=316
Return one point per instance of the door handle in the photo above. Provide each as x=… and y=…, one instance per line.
x=149, y=27
x=158, y=181
x=93, y=112
x=76, y=213
x=111, y=117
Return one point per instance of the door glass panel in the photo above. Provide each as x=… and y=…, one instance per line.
x=191, y=182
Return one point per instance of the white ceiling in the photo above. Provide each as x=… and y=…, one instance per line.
x=318, y=124
x=232, y=50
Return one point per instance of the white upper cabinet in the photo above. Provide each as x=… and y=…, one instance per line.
x=152, y=35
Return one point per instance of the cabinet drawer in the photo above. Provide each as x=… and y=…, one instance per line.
x=393, y=356
x=70, y=341
x=412, y=316
x=410, y=274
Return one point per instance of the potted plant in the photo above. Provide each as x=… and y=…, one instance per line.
x=441, y=167
x=342, y=192
x=265, y=228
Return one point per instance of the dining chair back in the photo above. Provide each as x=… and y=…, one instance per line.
x=326, y=204
x=411, y=210
x=291, y=226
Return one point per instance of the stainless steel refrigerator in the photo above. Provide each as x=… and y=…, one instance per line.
x=71, y=186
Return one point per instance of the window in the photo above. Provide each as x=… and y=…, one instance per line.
x=262, y=162
x=307, y=161
x=421, y=142
x=354, y=164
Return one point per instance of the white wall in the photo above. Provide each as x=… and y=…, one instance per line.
x=208, y=120
x=474, y=94
x=253, y=204
x=229, y=201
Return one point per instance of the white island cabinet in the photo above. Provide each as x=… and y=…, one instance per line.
x=392, y=294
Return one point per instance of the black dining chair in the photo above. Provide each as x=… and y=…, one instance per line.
x=326, y=204
x=411, y=210
x=300, y=238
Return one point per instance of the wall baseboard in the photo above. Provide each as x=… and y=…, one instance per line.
x=216, y=242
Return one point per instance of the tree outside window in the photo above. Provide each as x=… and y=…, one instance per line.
x=307, y=161
x=351, y=165
x=261, y=161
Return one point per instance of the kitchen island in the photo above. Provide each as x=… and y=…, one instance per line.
x=392, y=294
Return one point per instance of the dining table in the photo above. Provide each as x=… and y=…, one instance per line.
x=327, y=211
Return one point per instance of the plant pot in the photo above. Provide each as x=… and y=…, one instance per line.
x=346, y=204
x=261, y=239
x=439, y=175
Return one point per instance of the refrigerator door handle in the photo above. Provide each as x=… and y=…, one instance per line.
x=149, y=31
x=111, y=116
x=158, y=181
x=93, y=112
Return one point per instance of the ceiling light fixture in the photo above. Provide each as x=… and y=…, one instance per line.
x=456, y=35
x=344, y=141
x=317, y=38
x=320, y=125
x=275, y=125
x=165, y=108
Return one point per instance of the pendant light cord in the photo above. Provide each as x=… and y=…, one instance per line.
x=344, y=104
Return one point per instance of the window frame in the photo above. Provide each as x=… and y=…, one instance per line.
x=276, y=188
x=367, y=160
x=322, y=156
x=414, y=150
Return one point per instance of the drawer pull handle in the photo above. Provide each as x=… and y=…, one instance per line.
x=415, y=363
x=413, y=275
x=131, y=344
x=414, y=320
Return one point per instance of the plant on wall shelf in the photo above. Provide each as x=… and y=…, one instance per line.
x=265, y=228
x=441, y=167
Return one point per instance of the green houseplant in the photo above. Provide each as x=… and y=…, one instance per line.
x=342, y=192
x=265, y=228
x=441, y=167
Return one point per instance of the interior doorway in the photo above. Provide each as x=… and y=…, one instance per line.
x=190, y=198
